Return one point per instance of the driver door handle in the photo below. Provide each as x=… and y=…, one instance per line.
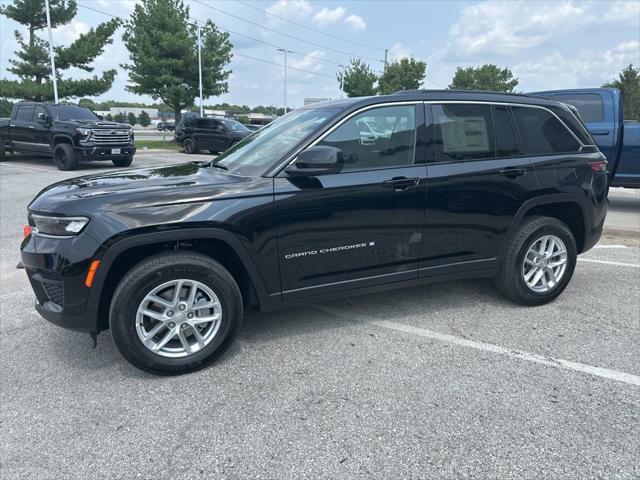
x=401, y=183
x=512, y=172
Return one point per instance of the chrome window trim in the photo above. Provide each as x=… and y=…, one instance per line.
x=292, y=158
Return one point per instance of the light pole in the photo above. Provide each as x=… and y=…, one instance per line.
x=53, y=63
x=200, y=67
x=285, y=76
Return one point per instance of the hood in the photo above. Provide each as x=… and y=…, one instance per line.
x=97, y=124
x=148, y=187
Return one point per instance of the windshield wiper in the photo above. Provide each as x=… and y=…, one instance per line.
x=215, y=164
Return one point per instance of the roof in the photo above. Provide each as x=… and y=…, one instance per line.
x=435, y=95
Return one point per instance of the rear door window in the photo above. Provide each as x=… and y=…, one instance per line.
x=25, y=113
x=463, y=132
x=506, y=144
x=589, y=105
x=542, y=133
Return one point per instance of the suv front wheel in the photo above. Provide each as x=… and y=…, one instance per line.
x=539, y=262
x=175, y=312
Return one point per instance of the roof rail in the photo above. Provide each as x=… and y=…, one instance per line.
x=485, y=92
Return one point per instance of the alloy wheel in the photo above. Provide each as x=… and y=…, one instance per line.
x=178, y=318
x=544, y=264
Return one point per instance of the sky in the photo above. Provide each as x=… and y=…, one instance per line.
x=547, y=45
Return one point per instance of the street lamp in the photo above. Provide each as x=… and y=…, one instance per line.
x=285, y=76
x=53, y=63
x=200, y=66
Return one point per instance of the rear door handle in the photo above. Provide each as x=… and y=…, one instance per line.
x=599, y=132
x=401, y=183
x=512, y=172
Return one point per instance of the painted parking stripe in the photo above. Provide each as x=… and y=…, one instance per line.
x=606, y=262
x=488, y=347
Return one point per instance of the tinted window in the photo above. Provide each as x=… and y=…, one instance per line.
x=39, y=114
x=463, y=132
x=506, y=145
x=378, y=138
x=542, y=133
x=570, y=120
x=589, y=105
x=203, y=123
x=25, y=114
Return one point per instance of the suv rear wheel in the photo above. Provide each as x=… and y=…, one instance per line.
x=189, y=146
x=175, y=312
x=539, y=262
x=65, y=157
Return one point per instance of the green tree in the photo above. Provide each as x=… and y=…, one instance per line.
x=163, y=51
x=31, y=64
x=404, y=74
x=629, y=84
x=486, y=77
x=131, y=118
x=357, y=79
x=144, y=119
x=119, y=117
x=108, y=118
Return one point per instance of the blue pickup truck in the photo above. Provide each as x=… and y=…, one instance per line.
x=619, y=140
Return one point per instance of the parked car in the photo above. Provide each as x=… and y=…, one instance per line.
x=619, y=140
x=311, y=208
x=166, y=126
x=203, y=133
x=253, y=127
x=68, y=133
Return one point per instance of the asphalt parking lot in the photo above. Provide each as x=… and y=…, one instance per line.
x=440, y=381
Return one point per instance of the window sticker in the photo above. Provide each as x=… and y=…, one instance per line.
x=465, y=134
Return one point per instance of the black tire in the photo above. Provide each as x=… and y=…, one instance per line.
x=65, y=157
x=123, y=162
x=155, y=271
x=189, y=146
x=510, y=280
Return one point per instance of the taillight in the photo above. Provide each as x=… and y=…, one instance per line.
x=599, y=166
x=26, y=231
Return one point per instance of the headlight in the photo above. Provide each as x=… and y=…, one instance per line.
x=85, y=132
x=59, y=226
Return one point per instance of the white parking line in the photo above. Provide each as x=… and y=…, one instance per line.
x=488, y=347
x=611, y=246
x=606, y=262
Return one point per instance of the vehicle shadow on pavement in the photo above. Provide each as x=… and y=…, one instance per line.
x=41, y=161
x=77, y=352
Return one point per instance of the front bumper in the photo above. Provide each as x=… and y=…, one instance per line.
x=105, y=153
x=56, y=269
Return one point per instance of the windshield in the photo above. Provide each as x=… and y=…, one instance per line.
x=71, y=112
x=235, y=126
x=259, y=151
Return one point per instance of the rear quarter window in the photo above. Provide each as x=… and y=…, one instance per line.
x=589, y=105
x=542, y=133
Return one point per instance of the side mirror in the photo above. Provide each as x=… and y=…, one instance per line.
x=318, y=160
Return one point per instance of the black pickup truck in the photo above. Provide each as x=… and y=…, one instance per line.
x=68, y=133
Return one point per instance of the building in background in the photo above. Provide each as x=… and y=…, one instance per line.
x=152, y=112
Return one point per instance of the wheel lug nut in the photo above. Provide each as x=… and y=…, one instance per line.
x=184, y=325
x=170, y=313
x=171, y=325
x=189, y=315
x=182, y=307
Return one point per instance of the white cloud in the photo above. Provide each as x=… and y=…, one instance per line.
x=398, y=51
x=65, y=34
x=355, y=22
x=311, y=62
x=290, y=9
x=585, y=69
x=623, y=11
x=328, y=16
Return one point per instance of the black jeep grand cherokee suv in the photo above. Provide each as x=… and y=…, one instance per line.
x=339, y=198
